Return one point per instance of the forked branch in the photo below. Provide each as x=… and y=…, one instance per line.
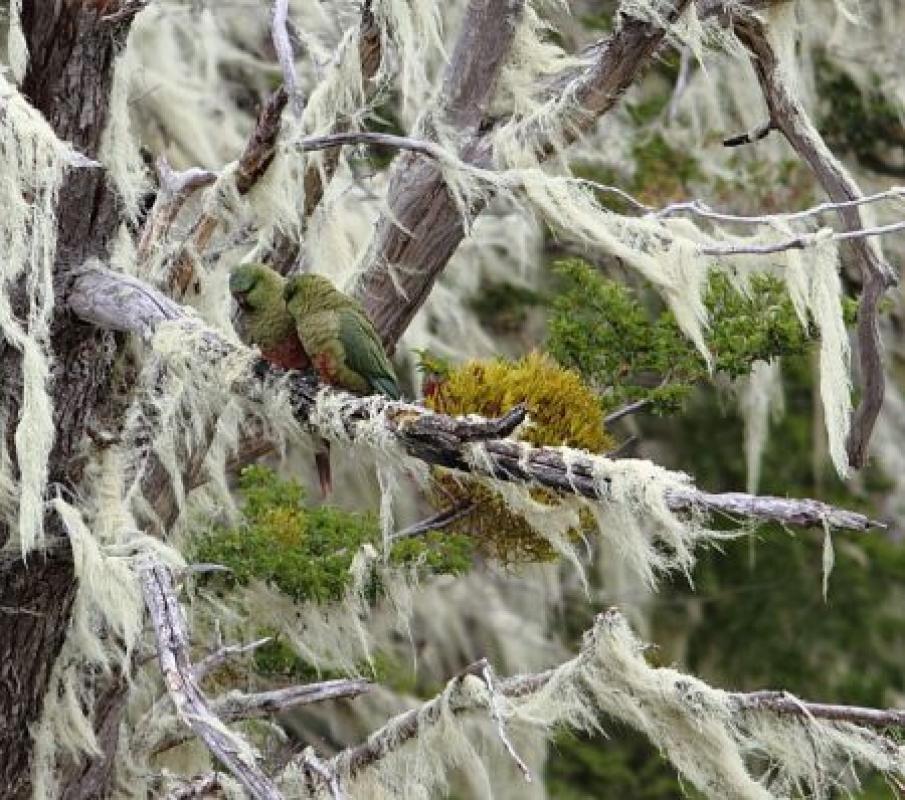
x=192, y=706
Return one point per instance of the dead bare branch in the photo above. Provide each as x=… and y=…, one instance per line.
x=253, y=163
x=325, y=772
x=496, y=713
x=236, y=706
x=174, y=189
x=415, y=722
x=332, y=140
x=436, y=522
x=192, y=707
x=788, y=114
x=283, y=47
x=750, y=137
x=225, y=654
x=631, y=408
x=784, y=703
x=285, y=255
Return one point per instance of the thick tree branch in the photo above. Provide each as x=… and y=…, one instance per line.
x=68, y=80
x=414, y=240
x=432, y=438
x=416, y=722
x=789, y=116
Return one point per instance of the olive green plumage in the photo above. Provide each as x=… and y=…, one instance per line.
x=339, y=338
x=266, y=322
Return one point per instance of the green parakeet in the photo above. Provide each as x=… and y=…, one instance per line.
x=267, y=323
x=340, y=339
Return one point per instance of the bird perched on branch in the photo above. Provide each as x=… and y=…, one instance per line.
x=267, y=324
x=340, y=339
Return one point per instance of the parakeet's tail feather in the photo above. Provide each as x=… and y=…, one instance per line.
x=324, y=474
x=386, y=386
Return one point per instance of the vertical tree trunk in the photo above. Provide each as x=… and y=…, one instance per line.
x=72, y=50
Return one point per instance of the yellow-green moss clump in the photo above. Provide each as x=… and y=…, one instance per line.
x=562, y=410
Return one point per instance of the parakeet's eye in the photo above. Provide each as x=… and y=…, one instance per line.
x=242, y=301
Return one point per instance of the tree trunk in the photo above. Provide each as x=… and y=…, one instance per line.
x=72, y=50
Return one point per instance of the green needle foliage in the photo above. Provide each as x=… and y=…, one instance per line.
x=306, y=552
x=599, y=328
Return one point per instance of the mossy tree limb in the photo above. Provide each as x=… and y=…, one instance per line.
x=433, y=438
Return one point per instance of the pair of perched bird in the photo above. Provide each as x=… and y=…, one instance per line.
x=306, y=321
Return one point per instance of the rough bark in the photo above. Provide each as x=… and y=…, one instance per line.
x=72, y=51
x=415, y=240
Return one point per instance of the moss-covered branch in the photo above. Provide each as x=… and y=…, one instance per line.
x=467, y=444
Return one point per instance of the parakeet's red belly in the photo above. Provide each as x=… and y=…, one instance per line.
x=325, y=365
x=289, y=354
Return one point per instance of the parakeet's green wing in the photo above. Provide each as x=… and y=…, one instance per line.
x=364, y=353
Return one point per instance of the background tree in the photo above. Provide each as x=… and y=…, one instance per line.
x=156, y=639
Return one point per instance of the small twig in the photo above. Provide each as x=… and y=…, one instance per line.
x=750, y=137
x=496, y=713
x=631, y=408
x=236, y=706
x=331, y=140
x=283, y=46
x=224, y=654
x=801, y=242
x=198, y=787
x=325, y=772
x=436, y=522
